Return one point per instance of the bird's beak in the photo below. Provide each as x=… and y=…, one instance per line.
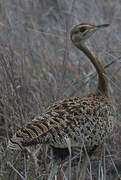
x=102, y=26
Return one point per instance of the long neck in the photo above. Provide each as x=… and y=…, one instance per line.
x=103, y=87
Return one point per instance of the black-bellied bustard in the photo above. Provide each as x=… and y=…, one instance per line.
x=86, y=121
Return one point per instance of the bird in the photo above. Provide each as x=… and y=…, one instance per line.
x=86, y=121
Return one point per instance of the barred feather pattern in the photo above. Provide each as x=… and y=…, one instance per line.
x=88, y=120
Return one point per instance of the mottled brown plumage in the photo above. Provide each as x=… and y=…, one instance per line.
x=90, y=117
x=87, y=120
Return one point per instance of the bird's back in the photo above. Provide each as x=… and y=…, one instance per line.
x=88, y=119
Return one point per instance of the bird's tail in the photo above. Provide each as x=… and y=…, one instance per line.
x=15, y=143
x=33, y=133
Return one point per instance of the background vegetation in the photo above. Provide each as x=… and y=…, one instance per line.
x=39, y=65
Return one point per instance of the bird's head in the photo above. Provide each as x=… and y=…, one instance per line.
x=81, y=32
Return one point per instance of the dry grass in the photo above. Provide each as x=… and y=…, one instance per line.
x=38, y=66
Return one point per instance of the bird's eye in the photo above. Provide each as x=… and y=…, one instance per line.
x=82, y=29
